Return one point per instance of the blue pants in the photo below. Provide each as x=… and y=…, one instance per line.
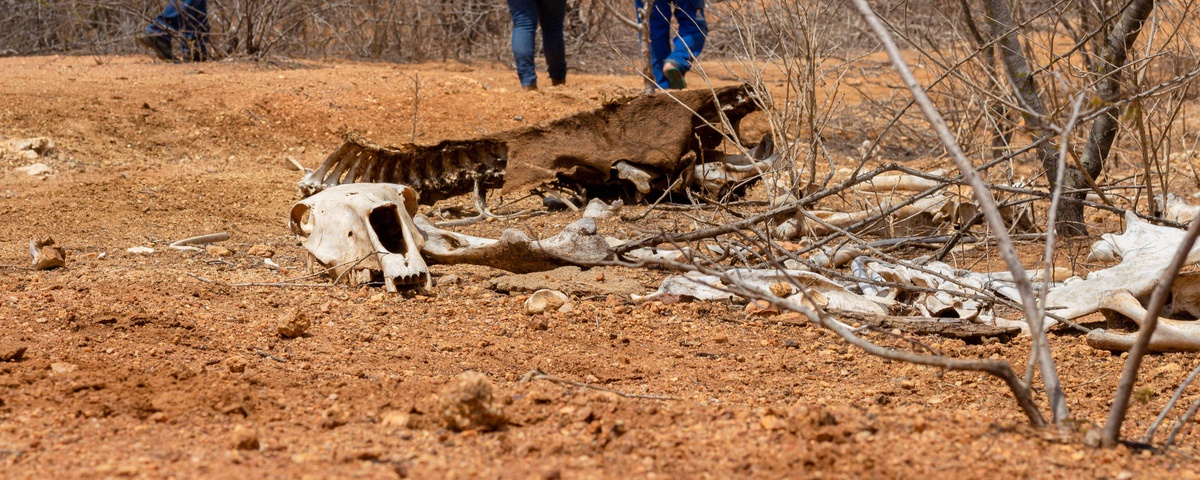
x=526, y=16
x=189, y=20
x=693, y=30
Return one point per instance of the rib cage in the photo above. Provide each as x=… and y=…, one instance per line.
x=662, y=134
x=438, y=172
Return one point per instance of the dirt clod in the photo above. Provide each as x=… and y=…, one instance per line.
x=244, y=439
x=466, y=403
x=260, y=250
x=294, y=324
x=11, y=352
x=218, y=251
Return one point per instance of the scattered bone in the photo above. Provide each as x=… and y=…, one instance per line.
x=290, y=163
x=639, y=177
x=140, y=250
x=599, y=209
x=896, y=183
x=37, y=169
x=46, y=255
x=1145, y=251
x=188, y=244
x=731, y=171
x=365, y=230
x=949, y=300
x=659, y=136
x=466, y=404
x=293, y=324
x=1170, y=336
x=822, y=291
x=577, y=244
x=28, y=148
x=1177, y=209
x=543, y=300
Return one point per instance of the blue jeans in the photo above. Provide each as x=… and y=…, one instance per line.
x=693, y=30
x=526, y=16
x=189, y=20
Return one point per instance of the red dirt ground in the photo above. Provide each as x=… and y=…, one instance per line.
x=136, y=367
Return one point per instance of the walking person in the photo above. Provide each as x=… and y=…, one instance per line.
x=186, y=20
x=526, y=16
x=671, y=59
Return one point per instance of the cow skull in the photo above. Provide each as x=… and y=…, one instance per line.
x=366, y=230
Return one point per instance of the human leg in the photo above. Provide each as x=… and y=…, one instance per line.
x=660, y=37
x=551, y=14
x=525, y=19
x=194, y=29
x=693, y=31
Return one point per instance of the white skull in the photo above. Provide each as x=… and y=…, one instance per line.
x=365, y=228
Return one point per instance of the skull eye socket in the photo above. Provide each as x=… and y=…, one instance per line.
x=385, y=221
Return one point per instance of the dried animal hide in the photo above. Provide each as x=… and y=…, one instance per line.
x=645, y=140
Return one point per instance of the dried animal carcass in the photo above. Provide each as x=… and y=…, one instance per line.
x=634, y=145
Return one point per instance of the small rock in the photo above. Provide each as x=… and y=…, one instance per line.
x=791, y=343
x=140, y=250
x=598, y=209
x=543, y=300
x=36, y=169
x=396, y=419
x=218, y=251
x=466, y=404
x=260, y=250
x=770, y=422
x=294, y=324
x=781, y=290
x=721, y=339
x=450, y=279
x=245, y=439
x=567, y=308
x=761, y=308
x=62, y=367
x=11, y=353
x=47, y=255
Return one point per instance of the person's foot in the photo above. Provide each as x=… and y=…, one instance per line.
x=159, y=45
x=558, y=82
x=530, y=88
x=674, y=76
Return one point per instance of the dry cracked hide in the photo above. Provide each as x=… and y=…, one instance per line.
x=628, y=146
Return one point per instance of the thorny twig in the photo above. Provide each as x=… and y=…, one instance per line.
x=1170, y=404
x=537, y=374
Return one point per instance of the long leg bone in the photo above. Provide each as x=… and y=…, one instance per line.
x=578, y=244
x=1170, y=336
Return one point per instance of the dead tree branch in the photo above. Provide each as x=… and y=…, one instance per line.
x=986, y=203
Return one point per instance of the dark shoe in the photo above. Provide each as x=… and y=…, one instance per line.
x=674, y=76
x=558, y=82
x=529, y=88
x=159, y=45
